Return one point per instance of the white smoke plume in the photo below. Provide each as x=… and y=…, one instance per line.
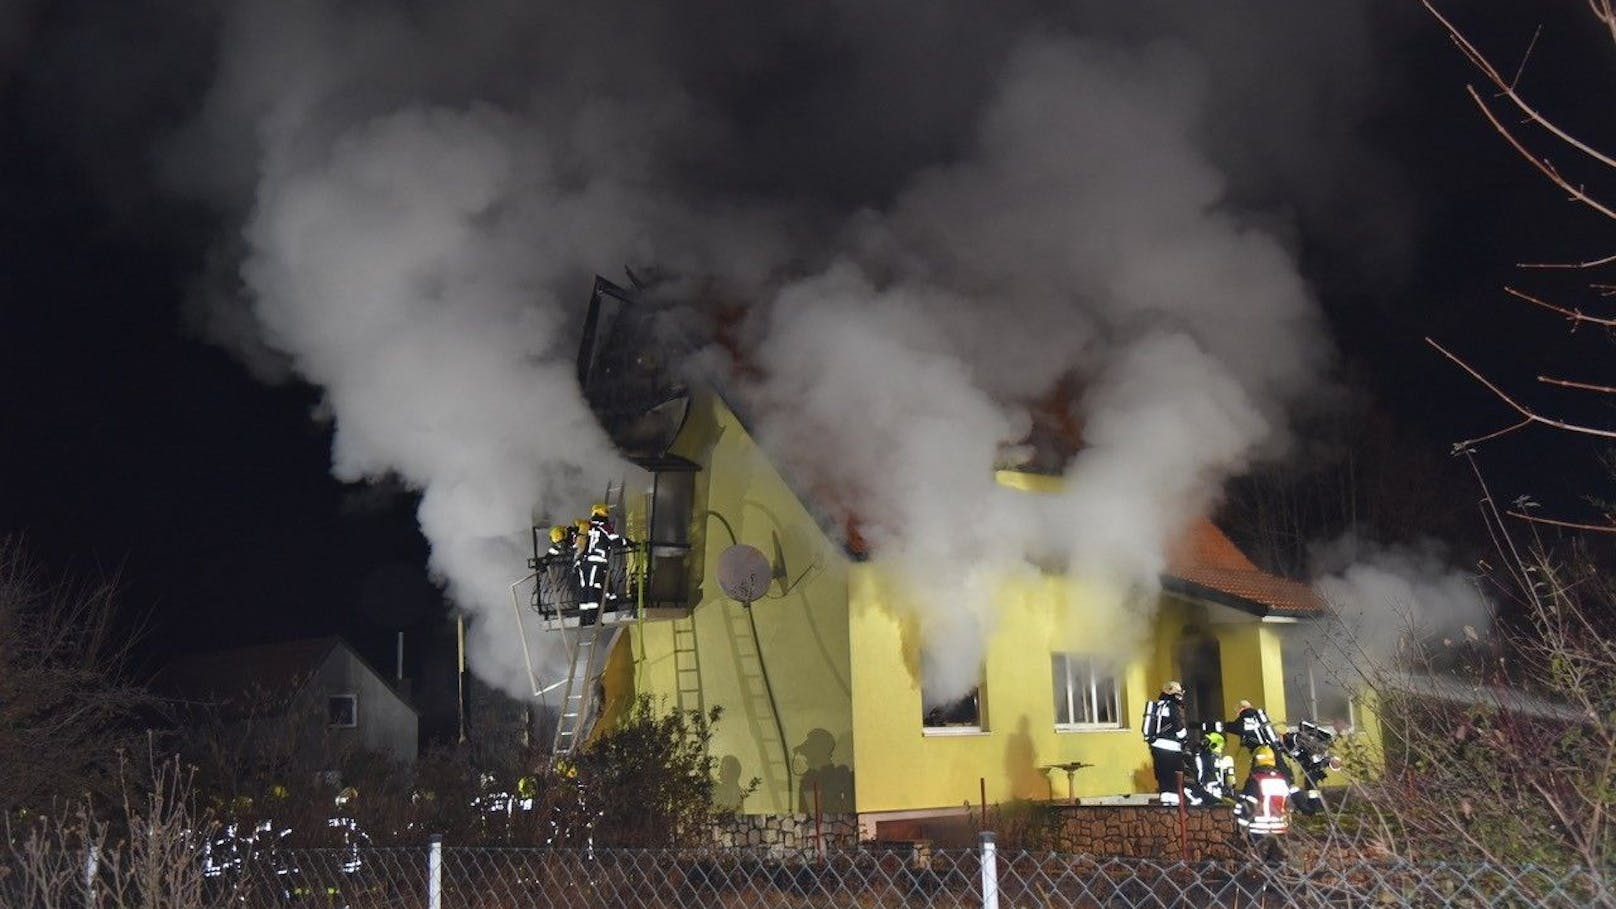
x=1082, y=232
x=1382, y=594
x=939, y=214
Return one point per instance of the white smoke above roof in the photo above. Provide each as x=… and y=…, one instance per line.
x=937, y=213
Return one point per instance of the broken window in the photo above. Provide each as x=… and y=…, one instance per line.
x=671, y=500
x=959, y=715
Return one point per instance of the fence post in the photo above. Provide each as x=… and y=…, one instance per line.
x=434, y=873
x=990, y=871
x=92, y=863
x=1183, y=819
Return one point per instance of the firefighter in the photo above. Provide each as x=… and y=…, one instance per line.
x=558, y=572
x=354, y=836
x=1264, y=809
x=1254, y=728
x=600, y=540
x=562, y=547
x=269, y=844
x=527, y=788
x=1166, y=733
x=571, y=821
x=1209, y=772
x=1309, y=747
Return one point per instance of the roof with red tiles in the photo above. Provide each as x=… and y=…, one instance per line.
x=1206, y=565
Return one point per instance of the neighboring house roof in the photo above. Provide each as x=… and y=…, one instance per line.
x=1206, y=565
x=248, y=679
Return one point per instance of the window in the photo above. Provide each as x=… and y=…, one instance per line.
x=342, y=711
x=1315, y=693
x=1085, y=693
x=963, y=715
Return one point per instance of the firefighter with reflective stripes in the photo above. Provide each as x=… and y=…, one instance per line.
x=1254, y=728
x=354, y=836
x=1208, y=772
x=563, y=545
x=1264, y=809
x=558, y=572
x=600, y=540
x=1166, y=733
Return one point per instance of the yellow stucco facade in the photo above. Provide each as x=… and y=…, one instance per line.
x=819, y=681
x=785, y=688
x=901, y=766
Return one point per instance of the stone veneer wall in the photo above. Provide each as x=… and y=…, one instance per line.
x=1147, y=831
x=786, y=832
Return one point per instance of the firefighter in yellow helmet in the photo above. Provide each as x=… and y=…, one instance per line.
x=527, y=788
x=353, y=836
x=563, y=546
x=1264, y=809
x=556, y=573
x=1208, y=772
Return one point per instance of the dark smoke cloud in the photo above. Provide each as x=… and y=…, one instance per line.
x=936, y=211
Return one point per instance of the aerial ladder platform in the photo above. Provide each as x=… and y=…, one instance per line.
x=588, y=635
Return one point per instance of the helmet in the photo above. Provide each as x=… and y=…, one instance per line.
x=1172, y=688
x=566, y=768
x=1263, y=757
x=583, y=526
x=347, y=795
x=599, y=510
x=1214, y=741
x=558, y=533
x=278, y=792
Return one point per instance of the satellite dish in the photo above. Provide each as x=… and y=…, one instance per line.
x=744, y=573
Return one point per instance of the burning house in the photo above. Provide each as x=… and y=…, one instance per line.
x=745, y=591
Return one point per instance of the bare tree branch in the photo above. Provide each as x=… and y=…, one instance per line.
x=1528, y=415
x=1577, y=316
x=1574, y=525
x=1507, y=90
x=1591, y=263
x=1580, y=386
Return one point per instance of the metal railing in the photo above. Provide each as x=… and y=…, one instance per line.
x=436, y=876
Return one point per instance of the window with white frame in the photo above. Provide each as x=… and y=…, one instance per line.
x=342, y=711
x=1313, y=689
x=1086, y=693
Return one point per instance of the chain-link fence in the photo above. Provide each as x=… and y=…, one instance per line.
x=436, y=876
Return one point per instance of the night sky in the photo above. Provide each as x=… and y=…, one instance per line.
x=133, y=446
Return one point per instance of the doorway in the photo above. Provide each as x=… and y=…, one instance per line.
x=1200, y=667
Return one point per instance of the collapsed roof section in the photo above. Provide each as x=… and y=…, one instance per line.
x=629, y=368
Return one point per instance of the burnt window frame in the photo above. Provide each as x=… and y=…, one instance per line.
x=953, y=718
